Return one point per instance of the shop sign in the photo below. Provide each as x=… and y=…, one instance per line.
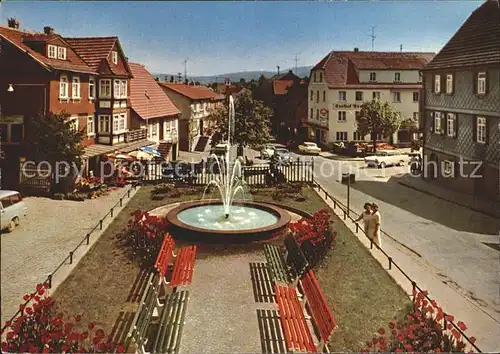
x=17, y=119
x=323, y=112
x=346, y=106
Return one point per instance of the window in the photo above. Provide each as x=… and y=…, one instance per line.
x=481, y=130
x=103, y=124
x=61, y=53
x=116, y=120
x=75, y=87
x=341, y=136
x=373, y=76
x=91, y=88
x=16, y=133
x=73, y=123
x=416, y=96
x=397, y=77
x=437, y=122
x=317, y=113
x=342, y=116
x=357, y=136
x=51, y=51
x=312, y=95
x=105, y=88
x=324, y=96
x=123, y=89
x=116, y=89
x=122, y=122
x=396, y=96
x=448, y=168
x=63, y=87
x=314, y=77
x=415, y=116
x=317, y=96
x=359, y=96
x=90, y=126
x=114, y=57
x=320, y=77
x=450, y=125
x=342, y=96
x=449, y=83
x=312, y=113
x=376, y=95
x=437, y=83
x=154, y=130
x=481, y=83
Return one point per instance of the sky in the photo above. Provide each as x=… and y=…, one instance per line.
x=224, y=37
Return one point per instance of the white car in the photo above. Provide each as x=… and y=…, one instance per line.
x=268, y=151
x=385, y=158
x=309, y=148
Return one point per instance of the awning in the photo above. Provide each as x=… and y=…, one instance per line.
x=100, y=149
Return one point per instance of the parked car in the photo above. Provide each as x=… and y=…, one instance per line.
x=282, y=156
x=220, y=149
x=385, y=158
x=268, y=151
x=309, y=148
x=12, y=209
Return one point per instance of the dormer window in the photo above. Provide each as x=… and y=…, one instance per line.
x=320, y=77
x=373, y=76
x=61, y=53
x=52, y=51
x=114, y=57
x=397, y=77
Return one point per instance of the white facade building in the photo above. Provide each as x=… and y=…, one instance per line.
x=342, y=81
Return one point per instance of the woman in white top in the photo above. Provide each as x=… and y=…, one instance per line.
x=375, y=221
x=366, y=216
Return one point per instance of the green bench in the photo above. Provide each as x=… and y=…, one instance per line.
x=289, y=266
x=156, y=326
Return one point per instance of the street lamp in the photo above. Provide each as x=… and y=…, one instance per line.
x=348, y=178
x=11, y=88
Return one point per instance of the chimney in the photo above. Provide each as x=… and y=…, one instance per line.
x=278, y=69
x=356, y=49
x=48, y=30
x=13, y=23
x=290, y=71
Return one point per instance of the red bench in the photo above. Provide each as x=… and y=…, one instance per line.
x=293, y=322
x=316, y=303
x=183, y=266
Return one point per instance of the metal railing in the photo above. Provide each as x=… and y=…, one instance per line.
x=86, y=240
x=134, y=135
x=415, y=287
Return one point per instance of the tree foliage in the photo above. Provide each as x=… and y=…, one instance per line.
x=252, y=126
x=378, y=118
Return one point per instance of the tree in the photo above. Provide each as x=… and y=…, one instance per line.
x=54, y=139
x=378, y=118
x=252, y=126
x=243, y=81
x=172, y=78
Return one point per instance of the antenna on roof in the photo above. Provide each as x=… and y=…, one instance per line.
x=185, y=69
x=401, y=48
x=296, y=59
x=373, y=37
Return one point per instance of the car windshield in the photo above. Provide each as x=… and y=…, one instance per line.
x=310, y=144
x=282, y=151
x=381, y=153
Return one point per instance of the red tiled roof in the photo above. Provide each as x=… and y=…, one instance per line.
x=280, y=87
x=341, y=67
x=476, y=43
x=193, y=92
x=18, y=39
x=95, y=50
x=158, y=104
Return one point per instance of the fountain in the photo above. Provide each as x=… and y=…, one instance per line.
x=227, y=219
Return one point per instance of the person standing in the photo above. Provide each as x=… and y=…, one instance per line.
x=366, y=216
x=376, y=221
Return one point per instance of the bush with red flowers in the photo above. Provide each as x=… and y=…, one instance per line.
x=39, y=329
x=425, y=330
x=144, y=236
x=314, y=235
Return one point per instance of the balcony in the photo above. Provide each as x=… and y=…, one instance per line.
x=135, y=135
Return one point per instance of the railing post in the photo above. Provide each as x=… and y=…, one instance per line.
x=121, y=202
x=371, y=244
x=71, y=258
x=49, y=281
x=414, y=289
x=390, y=263
x=345, y=214
x=357, y=227
x=100, y=224
x=111, y=212
x=128, y=193
x=88, y=238
x=334, y=204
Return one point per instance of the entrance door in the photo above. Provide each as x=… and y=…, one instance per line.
x=318, y=137
x=201, y=126
x=174, y=152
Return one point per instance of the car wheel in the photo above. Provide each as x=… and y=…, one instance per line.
x=11, y=226
x=382, y=165
x=16, y=221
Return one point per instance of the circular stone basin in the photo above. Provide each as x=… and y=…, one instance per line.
x=205, y=221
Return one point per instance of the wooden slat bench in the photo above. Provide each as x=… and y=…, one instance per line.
x=288, y=267
x=293, y=322
x=323, y=320
x=169, y=318
x=183, y=266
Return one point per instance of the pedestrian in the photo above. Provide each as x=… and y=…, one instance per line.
x=376, y=221
x=365, y=216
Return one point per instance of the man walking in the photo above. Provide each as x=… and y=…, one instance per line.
x=376, y=220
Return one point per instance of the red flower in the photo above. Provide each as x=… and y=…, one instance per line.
x=91, y=325
x=392, y=325
x=437, y=350
x=26, y=297
x=462, y=326
x=381, y=331
x=401, y=337
x=472, y=340
x=398, y=350
x=450, y=318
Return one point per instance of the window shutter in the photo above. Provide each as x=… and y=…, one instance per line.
x=487, y=83
x=456, y=126
x=433, y=122
x=474, y=129
x=474, y=82
x=453, y=77
x=487, y=131
x=444, y=123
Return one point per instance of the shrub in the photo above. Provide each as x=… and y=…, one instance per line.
x=164, y=188
x=421, y=331
x=144, y=236
x=39, y=329
x=314, y=235
x=77, y=196
x=58, y=196
x=158, y=196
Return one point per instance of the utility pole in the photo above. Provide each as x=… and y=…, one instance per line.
x=296, y=62
x=185, y=69
x=373, y=37
x=401, y=48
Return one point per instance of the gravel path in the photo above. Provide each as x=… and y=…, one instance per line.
x=44, y=238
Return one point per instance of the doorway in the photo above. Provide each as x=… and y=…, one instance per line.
x=201, y=127
x=318, y=136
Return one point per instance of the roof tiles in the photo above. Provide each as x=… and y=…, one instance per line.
x=193, y=92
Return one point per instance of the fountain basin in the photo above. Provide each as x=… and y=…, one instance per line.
x=204, y=221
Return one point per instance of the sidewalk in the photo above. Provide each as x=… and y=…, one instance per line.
x=489, y=208
x=480, y=325
x=332, y=156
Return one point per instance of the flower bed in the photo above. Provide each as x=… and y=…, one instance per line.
x=40, y=329
x=425, y=330
x=314, y=235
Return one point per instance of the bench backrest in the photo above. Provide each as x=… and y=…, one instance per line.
x=322, y=315
x=165, y=254
x=295, y=257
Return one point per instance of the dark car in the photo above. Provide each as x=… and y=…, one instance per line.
x=282, y=156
